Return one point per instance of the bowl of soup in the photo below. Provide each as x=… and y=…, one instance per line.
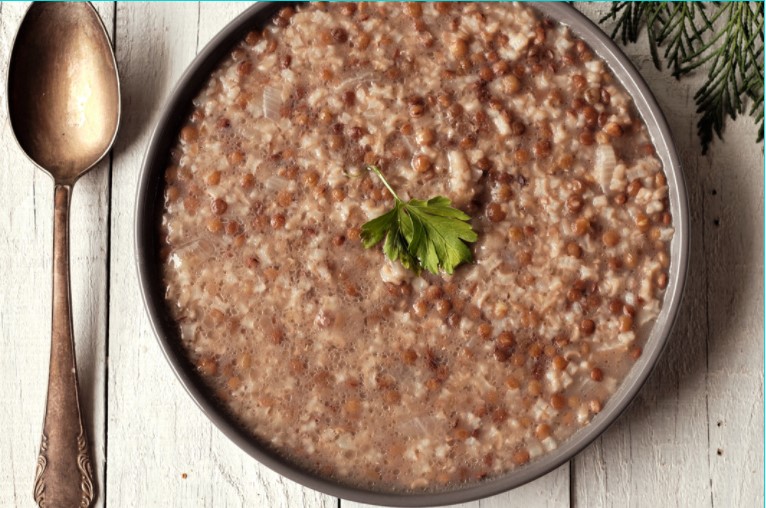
x=342, y=369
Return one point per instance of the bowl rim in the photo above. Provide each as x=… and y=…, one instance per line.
x=145, y=248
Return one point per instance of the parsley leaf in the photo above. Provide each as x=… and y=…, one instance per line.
x=429, y=235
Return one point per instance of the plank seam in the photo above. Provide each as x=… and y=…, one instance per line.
x=572, y=474
x=707, y=349
x=108, y=260
x=199, y=15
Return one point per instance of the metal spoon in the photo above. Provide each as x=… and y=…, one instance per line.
x=64, y=107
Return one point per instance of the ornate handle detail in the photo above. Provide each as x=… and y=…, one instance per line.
x=64, y=478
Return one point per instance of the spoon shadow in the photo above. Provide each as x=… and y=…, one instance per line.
x=143, y=85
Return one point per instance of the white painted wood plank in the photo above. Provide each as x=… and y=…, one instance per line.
x=149, y=453
x=733, y=226
x=25, y=300
x=665, y=446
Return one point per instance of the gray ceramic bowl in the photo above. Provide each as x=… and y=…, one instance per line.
x=149, y=207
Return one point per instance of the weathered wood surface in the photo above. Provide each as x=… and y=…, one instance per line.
x=694, y=437
x=26, y=250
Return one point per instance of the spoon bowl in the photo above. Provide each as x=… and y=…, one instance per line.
x=64, y=109
x=63, y=91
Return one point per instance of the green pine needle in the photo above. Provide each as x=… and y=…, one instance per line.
x=732, y=53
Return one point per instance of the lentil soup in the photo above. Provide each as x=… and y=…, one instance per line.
x=351, y=366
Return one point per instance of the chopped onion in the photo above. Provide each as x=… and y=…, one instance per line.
x=410, y=145
x=276, y=183
x=355, y=172
x=394, y=273
x=457, y=163
x=272, y=103
x=354, y=80
x=418, y=427
x=603, y=165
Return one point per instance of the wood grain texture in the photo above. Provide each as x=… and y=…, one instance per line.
x=733, y=235
x=693, y=437
x=156, y=433
x=26, y=227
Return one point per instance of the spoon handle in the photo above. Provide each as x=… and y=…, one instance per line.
x=63, y=477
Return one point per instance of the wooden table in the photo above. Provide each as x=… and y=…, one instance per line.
x=693, y=438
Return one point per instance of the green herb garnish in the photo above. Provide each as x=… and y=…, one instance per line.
x=421, y=234
x=725, y=37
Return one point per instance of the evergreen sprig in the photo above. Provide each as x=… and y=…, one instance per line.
x=726, y=39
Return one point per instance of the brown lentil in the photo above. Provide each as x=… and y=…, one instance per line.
x=596, y=374
x=610, y=238
x=421, y=163
x=495, y=212
x=587, y=326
